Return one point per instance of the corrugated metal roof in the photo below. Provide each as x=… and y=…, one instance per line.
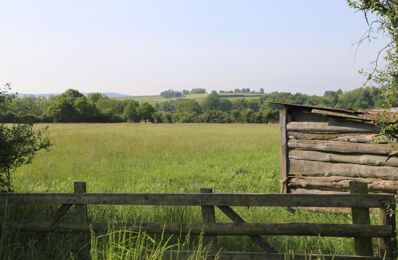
x=365, y=115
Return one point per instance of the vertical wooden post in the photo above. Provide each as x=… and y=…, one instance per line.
x=209, y=216
x=83, y=244
x=363, y=246
x=283, y=156
x=388, y=245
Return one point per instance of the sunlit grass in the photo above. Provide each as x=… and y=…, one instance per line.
x=158, y=158
x=174, y=158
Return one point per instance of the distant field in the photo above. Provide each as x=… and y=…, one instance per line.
x=158, y=98
x=197, y=97
x=174, y=158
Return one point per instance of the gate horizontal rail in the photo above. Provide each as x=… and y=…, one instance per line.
x=201, y=199
x=224, y=229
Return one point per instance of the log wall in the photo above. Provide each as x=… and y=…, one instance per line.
x=322, y=153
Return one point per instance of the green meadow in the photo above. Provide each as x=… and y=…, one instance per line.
x=171, y=158
x=156, y=158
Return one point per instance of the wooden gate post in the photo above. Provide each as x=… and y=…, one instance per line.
x=284, y=160
x=388, y=245
x=363, y=246
x=209, y=216
x=83, y=244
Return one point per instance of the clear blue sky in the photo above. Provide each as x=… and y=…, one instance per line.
x=144, y=47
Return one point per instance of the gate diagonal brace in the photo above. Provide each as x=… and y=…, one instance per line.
x=61, y=211
x=231, y=214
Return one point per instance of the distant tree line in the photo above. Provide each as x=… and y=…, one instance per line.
x=170, y=93
x=243, y=91
x=194, y=91
x=73, y=106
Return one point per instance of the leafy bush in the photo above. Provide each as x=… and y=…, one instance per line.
x=18, y=145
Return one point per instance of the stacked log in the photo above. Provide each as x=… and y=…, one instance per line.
x=325, y=153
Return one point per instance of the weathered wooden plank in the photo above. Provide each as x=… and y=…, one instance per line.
x=373, y=160
x=308, y=108
x=388, y=245
x=362, y=138
x=326, y=169
x=294, y=135
x=223, y=229
x=198, y=199
x=283, y=163
x=315, y=191
x=231, y=214
x=81, y=217
x=321, y=111
x=363, y=246
x=324, y=192
x=368, y=115
x=381, y=114
x=341, y=147
x=61, y=211
x=177, y=255
x=209, y=217
x=336, y=183
x=327, y=127
x=352, y=138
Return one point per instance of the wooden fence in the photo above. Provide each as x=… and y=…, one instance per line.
x=361, y=229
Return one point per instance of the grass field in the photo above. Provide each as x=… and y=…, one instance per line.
x=156, y=157
x=174, y=158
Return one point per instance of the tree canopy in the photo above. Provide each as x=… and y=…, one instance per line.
x=382, y=18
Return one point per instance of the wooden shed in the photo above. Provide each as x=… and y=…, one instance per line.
x=323, y=149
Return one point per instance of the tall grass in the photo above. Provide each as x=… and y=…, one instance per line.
x=172, y=158
x=114, y=244
x=124, y=244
